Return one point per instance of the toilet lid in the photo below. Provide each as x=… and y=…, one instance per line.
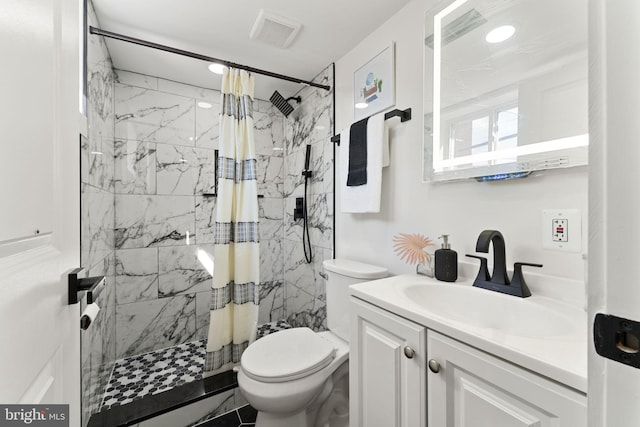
x=287, y=355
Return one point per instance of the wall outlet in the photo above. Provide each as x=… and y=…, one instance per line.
x=562, y=230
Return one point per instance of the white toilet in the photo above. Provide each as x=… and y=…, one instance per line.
x=300, y=378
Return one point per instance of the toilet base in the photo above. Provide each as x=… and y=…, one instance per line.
x=266, y=419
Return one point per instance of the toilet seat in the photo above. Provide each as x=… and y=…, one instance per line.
x=287, y=355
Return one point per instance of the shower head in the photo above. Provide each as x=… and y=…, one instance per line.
x=283, y=104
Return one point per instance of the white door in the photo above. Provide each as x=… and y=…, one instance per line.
x=469, y=388
x=614, y=203
x=39, y=202
x=387, y=377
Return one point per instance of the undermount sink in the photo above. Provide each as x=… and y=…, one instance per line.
x=532, y=317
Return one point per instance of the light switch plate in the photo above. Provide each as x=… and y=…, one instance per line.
x=562, y=230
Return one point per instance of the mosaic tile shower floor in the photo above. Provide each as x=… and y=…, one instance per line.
x=158, y=371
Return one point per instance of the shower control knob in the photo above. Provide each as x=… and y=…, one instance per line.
x=409, y=352
x=434, y=366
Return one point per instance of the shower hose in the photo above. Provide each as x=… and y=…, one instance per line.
x=306, y=240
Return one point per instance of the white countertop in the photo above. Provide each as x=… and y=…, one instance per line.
x=561, y=357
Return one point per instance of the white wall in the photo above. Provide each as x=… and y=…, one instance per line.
x=461, y=209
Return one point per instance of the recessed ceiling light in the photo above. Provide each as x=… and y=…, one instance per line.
x=217, y=68
x=500, y=34
x=361, y=105
x=203, y=104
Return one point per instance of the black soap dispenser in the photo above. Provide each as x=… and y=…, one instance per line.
x=446, y=263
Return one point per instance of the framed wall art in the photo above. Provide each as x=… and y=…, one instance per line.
x=374, y=84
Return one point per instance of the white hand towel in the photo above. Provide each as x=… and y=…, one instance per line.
x=365, y=198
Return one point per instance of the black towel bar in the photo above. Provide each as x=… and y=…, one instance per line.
x=405, y=115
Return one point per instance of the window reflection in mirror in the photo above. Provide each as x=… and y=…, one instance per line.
x=505, y=87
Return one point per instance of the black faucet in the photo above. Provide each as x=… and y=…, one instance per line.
x=499, y=281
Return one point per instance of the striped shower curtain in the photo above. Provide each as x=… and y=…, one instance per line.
x=236, y=277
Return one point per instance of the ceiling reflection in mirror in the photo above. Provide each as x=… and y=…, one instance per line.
x=505, y=88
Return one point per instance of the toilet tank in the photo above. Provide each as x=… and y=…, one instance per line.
x=340, y=274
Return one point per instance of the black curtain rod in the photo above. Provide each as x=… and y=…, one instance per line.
x=405, y=115
x=121, y=37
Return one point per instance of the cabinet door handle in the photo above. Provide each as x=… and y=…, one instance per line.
x=409, y=352
x=434, y=366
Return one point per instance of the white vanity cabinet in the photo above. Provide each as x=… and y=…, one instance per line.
x=473, y=388
x=403, y=374
x=387, y=369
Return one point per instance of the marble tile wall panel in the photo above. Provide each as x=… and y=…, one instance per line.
x=263, y=106
x=148, y=115
x=321, y=220
x=271, y=261
x=148, y=221
x=294, y=165
x=269, y=132
x=302, y=275
x=107, y=305
x=103, y=352
x=97, y=219
x=208, y=125
x=271, y=213
x=312, y=120
x=205, y=219
x=100, y=113
x=135, y=79
x=97, y=222
x=302, y=309
x=136, y=275
x=135, y=167
x=150, y=325
x=271, y=235
x=98, y=162
x=184, y=170
x=180, y=272
x=271, y=302
x=182, y=89
x=311, y=123
x=269, y=174
x=203, y=300
x=98, y=342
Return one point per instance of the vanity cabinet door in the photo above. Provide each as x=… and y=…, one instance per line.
x=475, y=389
x=387, y=369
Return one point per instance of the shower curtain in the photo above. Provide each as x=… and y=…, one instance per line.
x=236, y=278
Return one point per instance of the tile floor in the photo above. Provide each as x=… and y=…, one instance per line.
x=161, y=370
x=241, y=417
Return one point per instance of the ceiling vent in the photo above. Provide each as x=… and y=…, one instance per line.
x=274, y=29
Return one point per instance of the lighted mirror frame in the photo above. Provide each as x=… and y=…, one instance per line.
x=574, y=148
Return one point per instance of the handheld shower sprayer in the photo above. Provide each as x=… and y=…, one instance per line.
x=306, y=240
x=306, y=172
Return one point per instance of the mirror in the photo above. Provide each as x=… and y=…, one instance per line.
x=505, y=88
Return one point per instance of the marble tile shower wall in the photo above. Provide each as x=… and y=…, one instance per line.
x=164, y=150
x=97, y=219
x=310, y=123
